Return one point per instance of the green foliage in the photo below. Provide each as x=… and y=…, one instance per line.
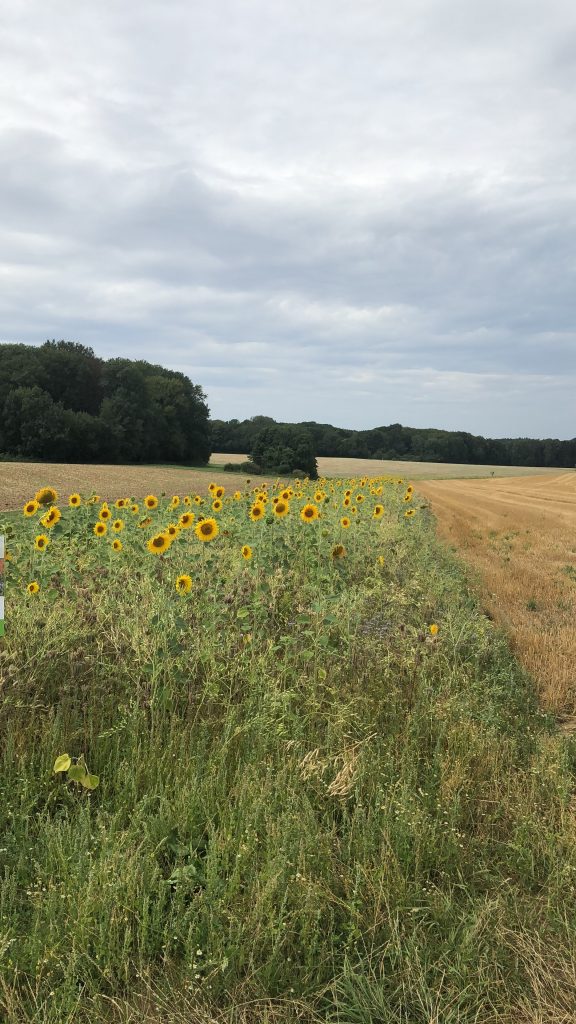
x=309, y=807
x=404, y=443
x=59, y=402
x=282, y=448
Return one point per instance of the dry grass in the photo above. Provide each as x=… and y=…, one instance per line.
x=20, y=480
x=519, y=534
x=413, y=470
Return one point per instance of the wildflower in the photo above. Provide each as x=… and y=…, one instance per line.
x=46, y=496
x=183, y=584
x=206, y=529
x=118, y=525
x=151, y=501
x=117, y=544
x=51, y=517
x=378, y=511
x=345, y=522
x=100, y=529
x=158, y=544
x=247, y=552
x=433, y=629
x=31, y=507
x=33, y=587
x=281, y=509
x=217, y=505
x=41, y=542
x=380, y=560
x=74, y=500
x=186, y=520
x=338, y=551
x=104, y=514
x=309, y=513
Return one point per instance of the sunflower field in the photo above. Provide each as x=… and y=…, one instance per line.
x=265, y=759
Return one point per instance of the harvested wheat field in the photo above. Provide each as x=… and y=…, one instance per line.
x=520, y=536
x=20, y=480
x=339, y=467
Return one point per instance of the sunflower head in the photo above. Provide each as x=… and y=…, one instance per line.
x=183, y=584
x=33, y=587
x=31, y=507
x=257, y=512
x=175, y=501
x=46, y=496
x=217, y=505
x=116, y=544
x=151, y=501
x=206, y=529
x=74, y=500
x=345, y=522
x=104, y=514
x=173, y=529
x=100, y=529
x=41, y=542
x=186, y=520
x=219, y=492
x=433, y=629
x=51, y=517
x=135, y=509
x=409, y=513
x=378, y=511
x=338, y=551
x=281, y=508
x=118, y=525
x=309, y=513
x=247, y=552
x=158, y=544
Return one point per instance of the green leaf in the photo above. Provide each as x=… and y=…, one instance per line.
x=89, y=781
x=62, y=763
x=242, y=613
x=76, y=772
x=307, y=655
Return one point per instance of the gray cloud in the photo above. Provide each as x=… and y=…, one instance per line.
x=353, y=213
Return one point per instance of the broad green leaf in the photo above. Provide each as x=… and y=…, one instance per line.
x=89, y=781
x=62, y=763
x=242, y=613
x=76, y=772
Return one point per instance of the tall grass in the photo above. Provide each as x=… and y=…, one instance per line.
x=309, y=807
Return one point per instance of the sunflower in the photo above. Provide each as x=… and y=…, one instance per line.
x=118, y=525
x=186, y=520
x=345, y=522
x=41, y=542
x=74, y=500
x=347, y=494
x=381, y=560
x=309, y=513
x=360, y=498
x=237, y=495
x=346, y=502
x=257, y=512
x=172, y=530
x=212, y=487
x=31, y=507
x=117, y=544
x=378, y=511
x=104, y=514
x=46, y=496
x=433, y=629
x=338, y=551
x=287, y=494
x=93, y=500
x=183, y=584
x=144, y=523
x=33, y=587
x=100, y=529
x=187, y=499
x=281, y=509
x=159, y=544
x=135, y=509
x=51, y=517
x=206, y=529
x=175, y=501
x=197, y=499
x=219, y=492
x=410, y=512
x=247, y=552
x=151, y=501
x=319, y=496
x=408, y=496
x=121, y=503
x=217, y=505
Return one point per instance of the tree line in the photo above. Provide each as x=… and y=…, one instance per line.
x=61, y=403
x=398, y=442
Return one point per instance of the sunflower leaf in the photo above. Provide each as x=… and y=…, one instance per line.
x=62, y=763
x=89, y=781
x=76, y=772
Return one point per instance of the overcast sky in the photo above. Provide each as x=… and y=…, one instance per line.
x=357, y=212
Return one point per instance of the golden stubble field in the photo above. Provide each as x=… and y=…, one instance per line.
x=519, y=534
